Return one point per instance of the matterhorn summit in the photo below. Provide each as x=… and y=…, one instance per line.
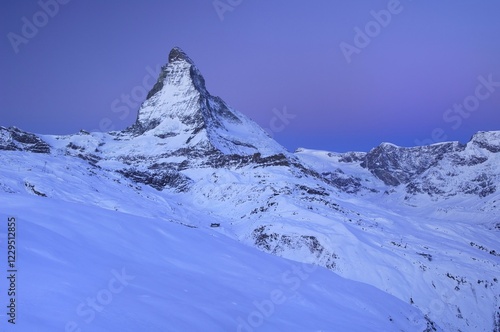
x=180, y=110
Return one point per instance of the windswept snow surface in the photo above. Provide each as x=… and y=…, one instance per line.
x=85, y=267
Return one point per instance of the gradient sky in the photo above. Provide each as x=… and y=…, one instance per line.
x=262, y=57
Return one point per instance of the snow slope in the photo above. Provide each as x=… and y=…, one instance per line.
x=83, y=267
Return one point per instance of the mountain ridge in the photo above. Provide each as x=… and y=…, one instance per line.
x=179, y=105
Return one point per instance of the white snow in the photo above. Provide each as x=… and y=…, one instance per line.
x=83, y=266
x=93, y=221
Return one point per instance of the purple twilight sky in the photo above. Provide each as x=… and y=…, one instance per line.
x=334, y=75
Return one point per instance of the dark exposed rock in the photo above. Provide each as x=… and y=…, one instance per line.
x=343, y=182
x=166, y=135
x=491, y=148
x=423, y=188
x=31, y=188
x=487, y=140
x=352, y=157
x=73, y=146
x=139, y=128
x=92, y=159
x=176, y=54
x=14, y=139
x=313, y=191
x=469, y=160
x=159, y=83
x=278, y=244
x=396, y=165
x=159, y=179
x=221, y=160
x=221, y=109
x=482, y=185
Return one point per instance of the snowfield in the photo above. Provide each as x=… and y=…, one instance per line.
x=87, y=268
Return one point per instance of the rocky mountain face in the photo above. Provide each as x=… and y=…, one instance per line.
x=439, y=170
x=13, y=139
x=419, y=223
x=180, y=111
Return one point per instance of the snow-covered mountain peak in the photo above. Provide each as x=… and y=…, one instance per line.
x=387, y=145
x=178, y=88
x=180, y=111
x=489, y=140
x=177, y=54
x=179, y=63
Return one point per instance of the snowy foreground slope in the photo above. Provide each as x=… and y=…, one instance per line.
x=87, y=268
x=400, y=238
